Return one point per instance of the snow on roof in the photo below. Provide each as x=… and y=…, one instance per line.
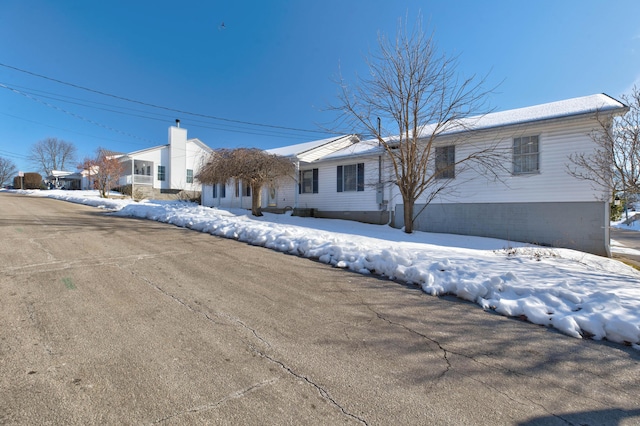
x=548, y=111
x=553, y=110
x=61, y=173
x=368, y=147
x=314, y=150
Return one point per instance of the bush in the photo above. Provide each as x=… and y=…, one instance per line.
x=32, y=181
x=29, y=181
x=616, y=212
x=124, y=190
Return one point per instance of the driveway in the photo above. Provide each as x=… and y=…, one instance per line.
x=629, y=239
x=109, y=320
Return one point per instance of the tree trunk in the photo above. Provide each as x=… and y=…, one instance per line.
x=256, y=200
x=408, y=216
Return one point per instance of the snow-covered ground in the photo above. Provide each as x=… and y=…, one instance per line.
x=580, y=294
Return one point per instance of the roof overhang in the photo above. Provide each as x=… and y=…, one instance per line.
x=325, y=149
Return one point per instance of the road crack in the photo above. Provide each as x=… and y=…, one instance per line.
x=445, y=352
x=234, y=395
x=322, y=391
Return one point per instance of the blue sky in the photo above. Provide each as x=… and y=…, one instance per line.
x=273, y=63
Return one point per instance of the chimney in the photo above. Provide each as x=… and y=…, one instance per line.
x=177, y=122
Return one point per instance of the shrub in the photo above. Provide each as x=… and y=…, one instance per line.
x=29, y=181
x=616, y=212
x=32, y=181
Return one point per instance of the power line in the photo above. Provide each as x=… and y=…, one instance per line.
x=31, y=94
x=161, y=107
x=85, y=103
x=13, y=154
x=68, y=130
x=28, y=96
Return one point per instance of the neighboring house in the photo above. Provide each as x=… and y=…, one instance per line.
x=60, y=179
x=533, y=200
x=165, y=169
x=282, y=194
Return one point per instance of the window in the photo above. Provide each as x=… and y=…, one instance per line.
x=526, y=155
x=161, y=173
x=189, y=176
x=445, y=162
x=308, y=183
x=221, y=193
x=351, y=177
x=242, y=189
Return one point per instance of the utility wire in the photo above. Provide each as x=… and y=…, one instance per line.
x=159, y=106
x=28, y=96
x=31, y=94
x=69, y=130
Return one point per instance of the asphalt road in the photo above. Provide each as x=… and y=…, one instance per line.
x=108, y=320
x=630, y=239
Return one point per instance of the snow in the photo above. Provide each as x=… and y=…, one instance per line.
x=580, y=294
x=566, y=108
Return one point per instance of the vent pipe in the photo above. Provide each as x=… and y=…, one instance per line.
x=177, y=122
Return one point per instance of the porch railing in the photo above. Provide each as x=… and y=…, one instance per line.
x=137, y=180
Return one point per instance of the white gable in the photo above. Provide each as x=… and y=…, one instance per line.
x=315, y=150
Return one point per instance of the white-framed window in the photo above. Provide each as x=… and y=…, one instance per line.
x=308, y=183
x=243, y=189
x=350, y=177
x=189, y=176
x=221, y=192
x=526, y=155
x=445, y=162
x=161, y=173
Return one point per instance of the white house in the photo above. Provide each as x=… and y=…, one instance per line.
x=534, y=199
x=281, y=195
x=166, y=169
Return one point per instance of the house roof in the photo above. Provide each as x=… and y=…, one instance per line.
x=315, y=150
x=201, y=144
x=549, y=111
x=155, y=148
x=554, y=110
x=64, y=174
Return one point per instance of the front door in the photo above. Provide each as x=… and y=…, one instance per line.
x=273, y=195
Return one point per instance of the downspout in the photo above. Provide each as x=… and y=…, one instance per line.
x=132, y=177
x=380, y=165
x=296, y=190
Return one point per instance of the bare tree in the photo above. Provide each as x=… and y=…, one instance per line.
x=52, y=154
x=252, y=166
x=7, y=170
x=412, y=96
x=90, y=165
x=107, y=171
x=615, y=164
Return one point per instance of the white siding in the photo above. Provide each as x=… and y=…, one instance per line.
x=285, y=193
x=229, y=201
x=552, y=184
x=195, y=157
x=164, y=161
x=329, y=199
